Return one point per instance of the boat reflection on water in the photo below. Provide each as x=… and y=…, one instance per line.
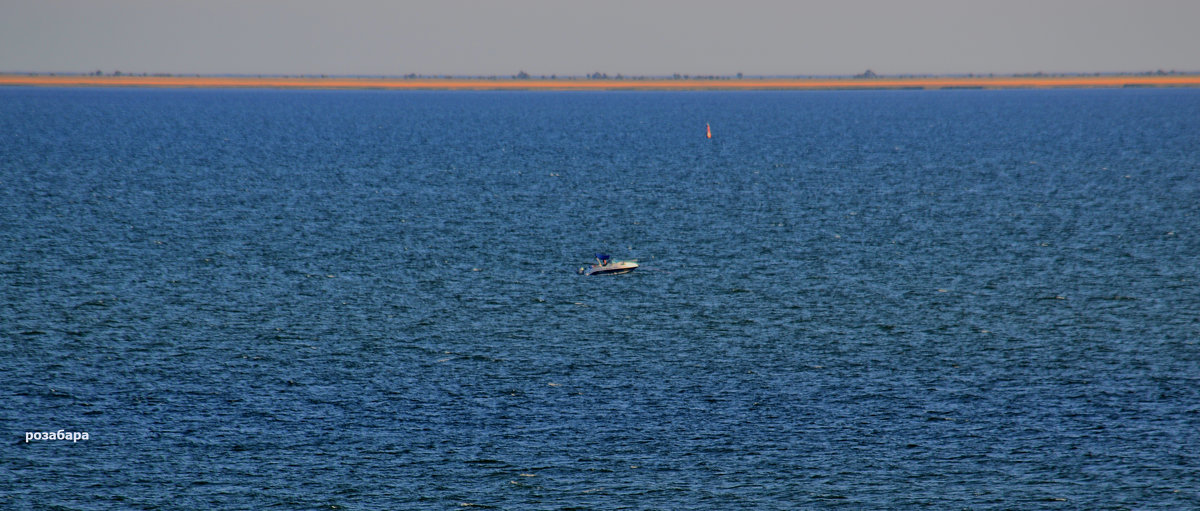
x=606, y=266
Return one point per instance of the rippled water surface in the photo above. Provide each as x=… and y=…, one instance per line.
x=368, y=300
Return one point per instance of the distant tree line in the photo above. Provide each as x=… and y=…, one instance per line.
x=599, y=75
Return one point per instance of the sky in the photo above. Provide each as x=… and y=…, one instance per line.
x=568, y=37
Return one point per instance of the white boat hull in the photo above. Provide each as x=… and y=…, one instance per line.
x=612, y=268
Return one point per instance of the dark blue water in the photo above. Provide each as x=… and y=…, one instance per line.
x=367, y=300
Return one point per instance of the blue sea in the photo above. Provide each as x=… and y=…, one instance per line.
x=266, y=299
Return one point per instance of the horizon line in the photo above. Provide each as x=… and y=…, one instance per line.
x=679, y=82
x=598, y=75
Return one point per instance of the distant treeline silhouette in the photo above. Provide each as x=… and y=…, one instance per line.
x=599, y=75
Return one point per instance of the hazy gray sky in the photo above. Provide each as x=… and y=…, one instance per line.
x=633, y=37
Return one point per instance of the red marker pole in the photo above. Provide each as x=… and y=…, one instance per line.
x=708, y=129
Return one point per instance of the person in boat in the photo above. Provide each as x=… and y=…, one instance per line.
x=602, y=259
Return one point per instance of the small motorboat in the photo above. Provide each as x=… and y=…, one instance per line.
x=606, y=266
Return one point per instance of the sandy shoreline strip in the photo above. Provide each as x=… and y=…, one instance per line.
x=1005, y=82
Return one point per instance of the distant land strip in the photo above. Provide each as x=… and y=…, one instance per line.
x=666, y=84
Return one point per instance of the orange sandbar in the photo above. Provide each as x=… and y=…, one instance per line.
x=1006, y=82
